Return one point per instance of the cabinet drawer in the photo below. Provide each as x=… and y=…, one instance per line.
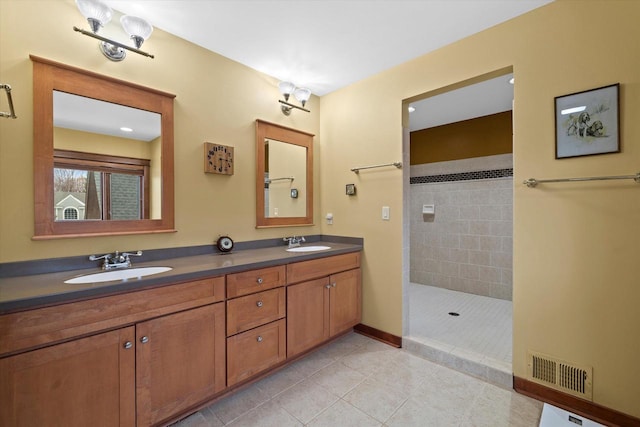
x=34, y=328
x=254, y=351
x=306, y=270
x=248, y=282
x=254, y=310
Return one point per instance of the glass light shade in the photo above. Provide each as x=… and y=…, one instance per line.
x=286, y=89
x=137, y=28
x=97, y=13
x=302, y=94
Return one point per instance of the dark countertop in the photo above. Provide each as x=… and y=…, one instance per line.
x=27, y=292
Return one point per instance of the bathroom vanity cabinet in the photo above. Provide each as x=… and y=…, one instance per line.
x=150, y=356
x=162, y=357
x=324, y=306
x=256, y=328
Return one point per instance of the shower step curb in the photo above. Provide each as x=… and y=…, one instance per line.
x=489, y=370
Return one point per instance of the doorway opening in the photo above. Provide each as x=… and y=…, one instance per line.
x=458, y=226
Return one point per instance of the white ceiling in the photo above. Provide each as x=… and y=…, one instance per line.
x=322, y=44
x=95, y=116
x=328, y=44
x=481, y=99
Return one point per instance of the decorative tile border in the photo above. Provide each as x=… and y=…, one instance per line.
x=462, y=176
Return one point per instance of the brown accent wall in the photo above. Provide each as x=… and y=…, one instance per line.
x=479, y=137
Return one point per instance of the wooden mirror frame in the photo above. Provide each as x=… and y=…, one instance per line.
x=266, y=130
x=49, y=76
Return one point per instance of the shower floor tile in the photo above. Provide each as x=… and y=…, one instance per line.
x=481, y=332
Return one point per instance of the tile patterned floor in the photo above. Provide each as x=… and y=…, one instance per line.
x=478, y=341
x=357, y=381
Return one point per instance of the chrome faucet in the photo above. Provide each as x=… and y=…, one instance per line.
x=294, y=241
x=115, y=260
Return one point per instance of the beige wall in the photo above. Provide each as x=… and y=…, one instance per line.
x=576, y=269
x=217, y=100
x=575, y=245
x=74, y=140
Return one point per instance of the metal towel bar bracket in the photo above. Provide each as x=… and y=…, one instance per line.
x=396, y=164
x=12, y=113
x=532, y=182
x=270, y=180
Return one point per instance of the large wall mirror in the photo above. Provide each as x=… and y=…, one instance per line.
x=284, y=180
x=103, y=154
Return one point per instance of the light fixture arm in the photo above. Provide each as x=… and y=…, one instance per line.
x=115, y=43
x=289, y=106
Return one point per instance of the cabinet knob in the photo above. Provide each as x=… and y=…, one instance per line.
x=333, y=285
x=259, y=303
x=128, y=345
x=144, y=339
x=259, y=339
x=260, y=280
x=327, y=286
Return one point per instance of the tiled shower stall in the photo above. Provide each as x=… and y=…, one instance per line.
x=460, y=265
x=466, y=244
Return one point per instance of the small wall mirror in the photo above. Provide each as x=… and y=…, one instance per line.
x=284, y=180
x=103, y=154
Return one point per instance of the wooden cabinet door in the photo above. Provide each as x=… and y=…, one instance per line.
x=307, y=315
x=85, y=382
x=345, y=305
x=180, y=362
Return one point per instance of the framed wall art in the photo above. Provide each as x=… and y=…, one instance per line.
x=588, y=122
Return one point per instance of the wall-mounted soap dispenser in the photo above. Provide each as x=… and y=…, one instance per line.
x=428, y=209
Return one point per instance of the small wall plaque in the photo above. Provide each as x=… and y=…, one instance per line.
x=218, y=159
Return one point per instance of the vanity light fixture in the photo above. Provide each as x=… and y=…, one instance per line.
x=99, y=14
x=302, y=94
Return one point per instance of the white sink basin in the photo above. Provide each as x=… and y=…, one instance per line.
x=309, y=248
x=108, y=276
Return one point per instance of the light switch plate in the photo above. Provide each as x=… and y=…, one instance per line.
x=385, y=213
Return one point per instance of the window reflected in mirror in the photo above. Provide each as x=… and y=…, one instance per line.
x=99, y=187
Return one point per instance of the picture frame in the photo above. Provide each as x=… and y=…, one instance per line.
x=350, y=189
x=587, y=123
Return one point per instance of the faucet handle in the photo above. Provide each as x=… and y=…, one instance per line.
x=96, y=258
x=128, y=254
